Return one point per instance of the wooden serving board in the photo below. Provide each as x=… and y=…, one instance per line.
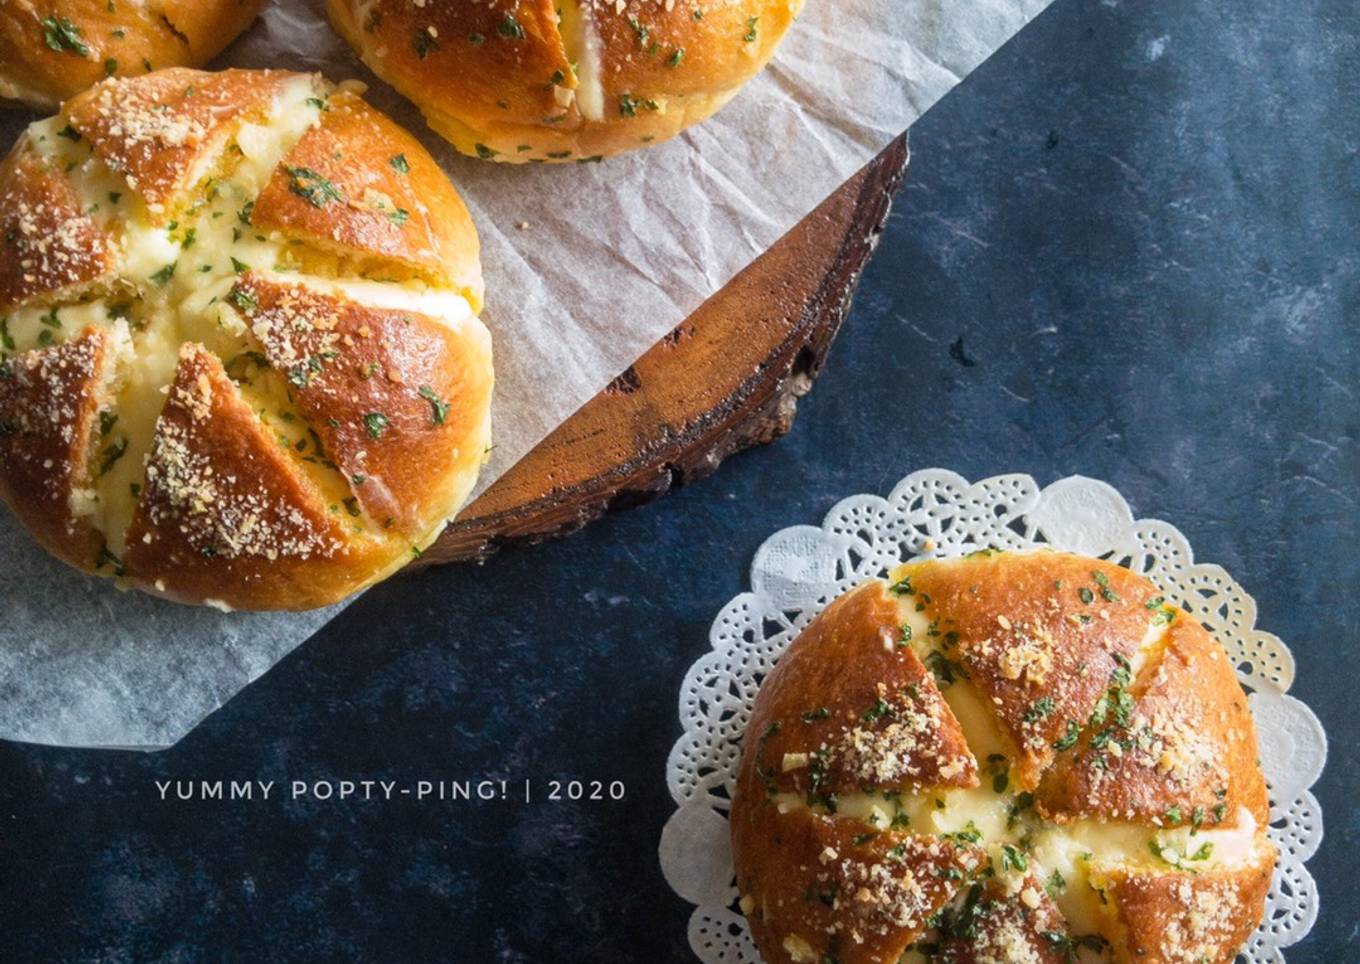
x=727, y=378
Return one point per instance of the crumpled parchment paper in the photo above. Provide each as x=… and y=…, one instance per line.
x=613, y=257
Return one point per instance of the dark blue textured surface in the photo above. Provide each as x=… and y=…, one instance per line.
x=1140, y=218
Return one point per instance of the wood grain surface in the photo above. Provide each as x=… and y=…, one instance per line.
x=726, y=378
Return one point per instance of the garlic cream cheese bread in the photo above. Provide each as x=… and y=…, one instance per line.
x=1026, y=758
x=563, y=80
x=50, y=51
x=240, y=357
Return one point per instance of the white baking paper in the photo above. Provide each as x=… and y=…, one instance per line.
x=612, y=256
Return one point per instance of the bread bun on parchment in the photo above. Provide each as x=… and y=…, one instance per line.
x=51, y=51
x=1005, y=757
x=240, y=357
x=540, y=80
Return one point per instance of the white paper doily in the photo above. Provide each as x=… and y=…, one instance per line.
x=799, y=570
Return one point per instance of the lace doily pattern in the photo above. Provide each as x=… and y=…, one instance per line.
x=799, y=570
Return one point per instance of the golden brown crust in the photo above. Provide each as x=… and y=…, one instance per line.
x=157, y=130
x=47, y=243
x=48, y=52
x=838, y=887
x=851, y=707
x=1187, y=754
x=497, y=79
x=225, y=515
x=49, y=405
x=393, y=201
x=391, y=393
x=1039, y=635
x=1178, y=917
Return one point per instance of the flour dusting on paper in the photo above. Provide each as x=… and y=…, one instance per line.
x=614, y=256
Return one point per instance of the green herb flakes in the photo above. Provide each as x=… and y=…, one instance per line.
x=312, y=187
x=62, y=34
x=439, y=409
x=375, y=423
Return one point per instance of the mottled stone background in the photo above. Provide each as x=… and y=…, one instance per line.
x=1140, y=218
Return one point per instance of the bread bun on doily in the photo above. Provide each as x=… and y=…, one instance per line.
x=1019, y=757
x=50, y=51
x=240, y=358
x=535, y=80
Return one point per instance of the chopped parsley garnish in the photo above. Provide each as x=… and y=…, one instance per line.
x=1021, y=803
x=1069, y=737
x=423, y=43
x=820, y=713
x=1039, y=709
x=70, y=133
x=240, y=267
x=751, y=29
x=1013, y=858
x=1204, y=852
x=243, y=299
x=510, y=27
x=111, y=454
x=6, y=339
x=905, y=637
x=163, y=276
x=969, y=834
x=629, y=105
x=1166, y=853
x=110, y=67
x=863, y=838
x=62, y=34
x=1103, y=581
x=439, y=409
x=1056, y=884
x=944, y=669
x=1086, y=595
x=880, y=709
x=375, y=423
x=400, y=164
x=300, y=375
x=312, y=187
x=484, y=152
x=398, y=216
x=675, y=58
x=902, y=587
